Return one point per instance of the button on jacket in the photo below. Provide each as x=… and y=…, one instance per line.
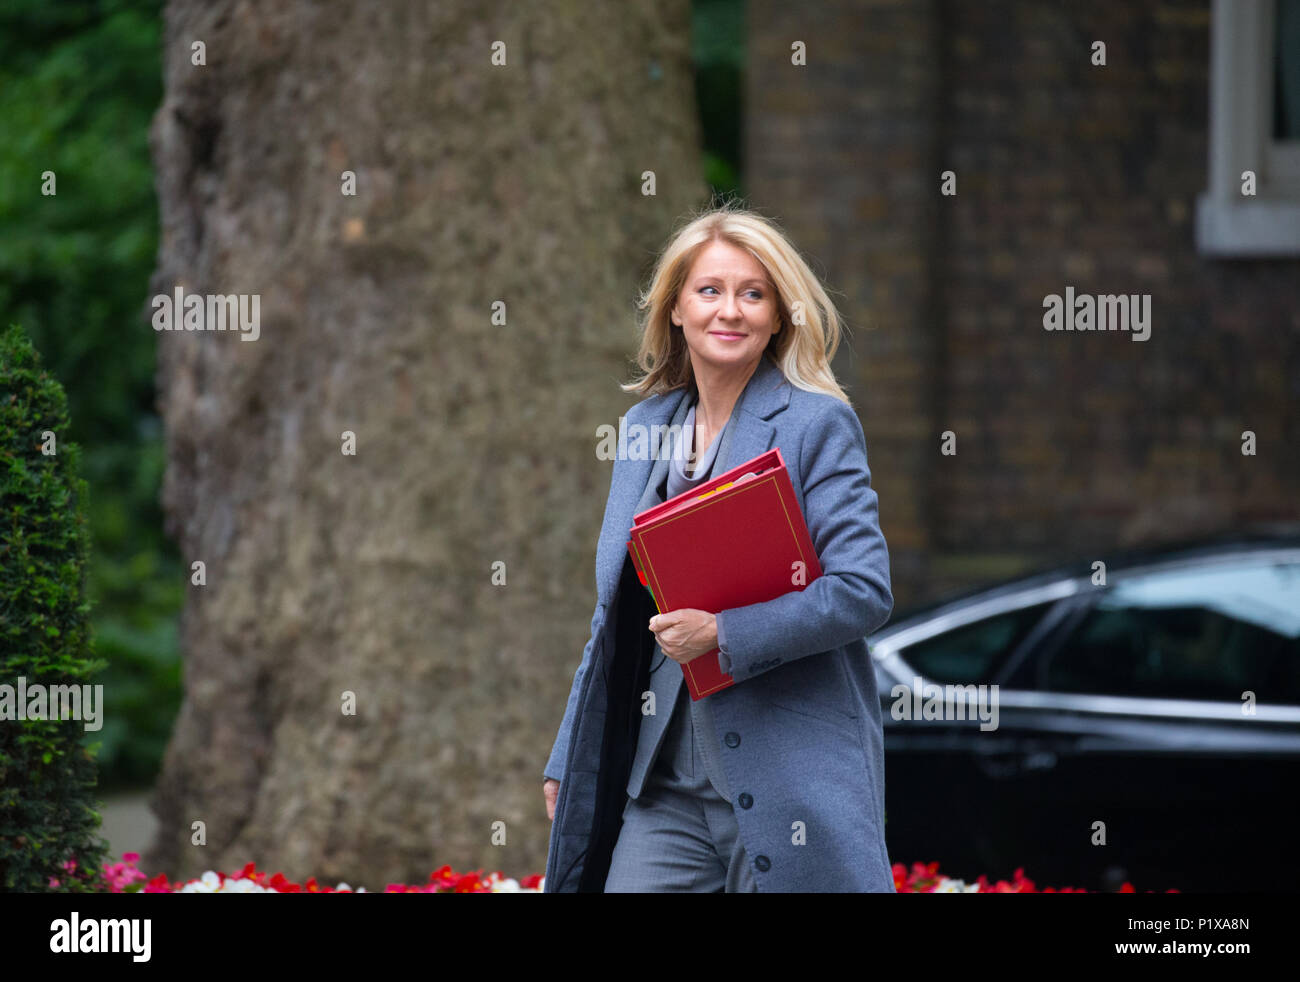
x=800, y=730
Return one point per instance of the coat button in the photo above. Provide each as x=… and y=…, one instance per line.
x=762, y=863
x=732, y=739
x=746, y=800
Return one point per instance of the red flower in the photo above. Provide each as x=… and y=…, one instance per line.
x=281, y=885
x=158, y=884
x=470, y=883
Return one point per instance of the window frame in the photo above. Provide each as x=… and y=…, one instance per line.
x=1006, y=661
x=890, y=654
x=1229, y=224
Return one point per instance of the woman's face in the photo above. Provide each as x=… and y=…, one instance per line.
x=726, y=309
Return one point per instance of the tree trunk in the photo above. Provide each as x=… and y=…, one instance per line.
x=373, y=574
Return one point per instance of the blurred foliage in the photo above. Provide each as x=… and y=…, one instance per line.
x=718, y=50
x=79, y=82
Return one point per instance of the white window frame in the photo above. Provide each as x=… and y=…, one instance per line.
x=1228, y=223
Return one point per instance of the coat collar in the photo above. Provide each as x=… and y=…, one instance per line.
x=765, y=394
x=748, y=434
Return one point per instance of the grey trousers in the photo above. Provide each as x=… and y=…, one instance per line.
x=680, y=834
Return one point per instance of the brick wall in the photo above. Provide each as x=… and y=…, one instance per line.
x=1067, y=175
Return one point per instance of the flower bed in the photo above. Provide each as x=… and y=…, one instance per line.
x=126, y=877
x=926, y=878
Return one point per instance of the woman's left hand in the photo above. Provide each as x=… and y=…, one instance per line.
x=685, y=634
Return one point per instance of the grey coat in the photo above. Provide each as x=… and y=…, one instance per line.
x=800, y=728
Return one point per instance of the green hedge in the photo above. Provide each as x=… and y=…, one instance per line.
x=47, y=776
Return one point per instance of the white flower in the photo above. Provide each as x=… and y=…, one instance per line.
x=948, y=885
x=245, y=886
x=209, y=882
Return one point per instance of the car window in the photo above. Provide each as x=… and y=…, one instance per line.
x=1208, y=633
x=973, y=653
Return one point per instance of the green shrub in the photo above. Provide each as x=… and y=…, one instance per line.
x=47, y=776
x=79, y=84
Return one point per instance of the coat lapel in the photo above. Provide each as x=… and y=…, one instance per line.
x=659, y=466
x=626, y=493
x=748, y=431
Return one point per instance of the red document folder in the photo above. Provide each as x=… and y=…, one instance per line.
x=727, y=543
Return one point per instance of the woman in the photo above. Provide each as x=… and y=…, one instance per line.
x=775, y=783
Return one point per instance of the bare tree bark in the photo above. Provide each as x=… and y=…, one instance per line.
x=372, y=573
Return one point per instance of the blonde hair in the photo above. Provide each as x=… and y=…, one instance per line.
x=802, y=351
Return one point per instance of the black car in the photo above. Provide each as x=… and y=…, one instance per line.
x=1147, y=725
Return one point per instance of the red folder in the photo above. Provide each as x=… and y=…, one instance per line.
x=733, y=541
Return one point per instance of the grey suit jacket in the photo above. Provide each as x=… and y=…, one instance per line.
x=803, y=745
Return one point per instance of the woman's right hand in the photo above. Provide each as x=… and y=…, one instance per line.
x=551, y=789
